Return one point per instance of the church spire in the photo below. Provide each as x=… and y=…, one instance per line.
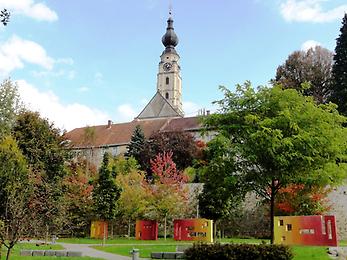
x=170, y=39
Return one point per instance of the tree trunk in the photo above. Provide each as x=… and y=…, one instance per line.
x=129, y=228
x=272, y=210
x=214, y=229
x=8, y=252
x=112, y=229
x=47, y=233
x=165, y=228
x=104, y=238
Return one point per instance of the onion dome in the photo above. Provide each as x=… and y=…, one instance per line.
x=170, y=39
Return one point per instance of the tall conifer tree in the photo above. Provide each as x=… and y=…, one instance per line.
x=106, y=192
x=136, y=144
x=339, y=72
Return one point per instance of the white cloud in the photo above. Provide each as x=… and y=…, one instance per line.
x=190, y=108
x=38, y=11
x=68, y=116
x=70, y=74
x=310, y=11
x=68, y=61
x=83, y=89
x=125, y=113
x=310, y=44
x=16, y=51
x=98, y=77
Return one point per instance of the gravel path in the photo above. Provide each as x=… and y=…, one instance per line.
x=88, y=251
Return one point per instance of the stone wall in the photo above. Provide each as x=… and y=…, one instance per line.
x=338, y=202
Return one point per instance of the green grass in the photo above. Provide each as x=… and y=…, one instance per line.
x=16, y=250
x=122, y=241
x=122, y=246
x=310, y=252
x=243, y=240
x=300, y=252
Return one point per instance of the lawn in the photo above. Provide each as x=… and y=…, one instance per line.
x=119, y=241
x=123, y=246
x=16, y=250
x=310, y=252
x=300, y=252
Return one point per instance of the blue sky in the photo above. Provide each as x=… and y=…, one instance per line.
x=82, y=62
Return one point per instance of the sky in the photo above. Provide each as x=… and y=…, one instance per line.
x=83, y=62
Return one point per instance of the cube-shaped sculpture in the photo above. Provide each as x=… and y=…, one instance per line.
x=193, y=230
x=305, y=230
x=146, y=230
x=99, y=229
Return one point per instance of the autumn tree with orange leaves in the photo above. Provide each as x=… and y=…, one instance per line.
x=300, y=199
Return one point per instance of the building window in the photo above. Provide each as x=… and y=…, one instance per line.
x=167, y=80
x=289, y=227
x=167, y=95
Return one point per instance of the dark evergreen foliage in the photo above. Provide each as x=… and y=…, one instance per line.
x=106, y=192
x=136, y=145
x=181, y=144
x=339, y=71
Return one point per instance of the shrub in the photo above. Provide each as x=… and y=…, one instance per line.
x=238, y=252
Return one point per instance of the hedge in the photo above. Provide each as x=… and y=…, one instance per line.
x=238, y=252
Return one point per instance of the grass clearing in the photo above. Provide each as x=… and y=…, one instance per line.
x=310, y=252
x=123, y=241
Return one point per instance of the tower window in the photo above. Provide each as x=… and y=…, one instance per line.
x=167, y=95
x=167, y=80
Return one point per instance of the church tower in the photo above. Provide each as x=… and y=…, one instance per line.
x=169, y=81
x=167, y=102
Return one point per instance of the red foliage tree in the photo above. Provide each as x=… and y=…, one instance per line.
x=298, y=199
x=164, y=168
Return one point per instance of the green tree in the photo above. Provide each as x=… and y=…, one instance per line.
x=78, y=188
x=9, y=106
x=137, y=144
x=42, y=144
x=281, y=137
x=222, y=191
x=339, y=71
x=45, y=151
x=312, y=66
x=134, y=198
x=106, y=191
x=15, y=192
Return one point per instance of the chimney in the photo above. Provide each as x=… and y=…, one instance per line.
x=109, y=124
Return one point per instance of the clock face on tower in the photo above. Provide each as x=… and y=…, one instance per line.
x=167, y=66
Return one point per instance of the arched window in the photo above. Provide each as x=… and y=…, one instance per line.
x=167, y=80
x=167, y=95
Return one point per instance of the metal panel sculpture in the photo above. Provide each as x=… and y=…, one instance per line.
x=99, y=229
x=193, y=230
x=305, y=230
x=146, y=230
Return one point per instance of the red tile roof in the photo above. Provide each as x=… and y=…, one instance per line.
x=120, y=134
